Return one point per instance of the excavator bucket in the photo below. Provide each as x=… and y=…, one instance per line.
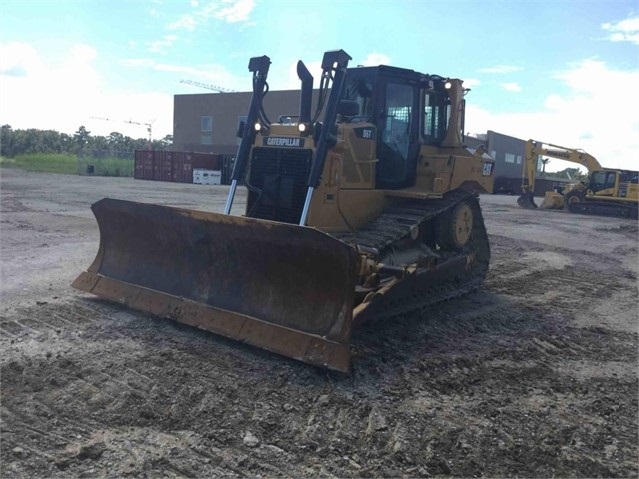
x=527, y=200
x=285, y=288
x=552, y=201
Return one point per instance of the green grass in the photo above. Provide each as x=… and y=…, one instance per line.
x=69, y=164
x=45, y=163
x=112, y=167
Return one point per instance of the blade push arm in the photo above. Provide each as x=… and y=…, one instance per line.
x=259, y=66
x=334, y=66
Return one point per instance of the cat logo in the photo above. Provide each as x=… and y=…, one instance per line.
x=286, y=142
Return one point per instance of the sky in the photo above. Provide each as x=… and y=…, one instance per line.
x=559, y=71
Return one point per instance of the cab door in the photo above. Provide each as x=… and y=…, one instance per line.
x=398, y=145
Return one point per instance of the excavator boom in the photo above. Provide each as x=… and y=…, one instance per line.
x=534, y=149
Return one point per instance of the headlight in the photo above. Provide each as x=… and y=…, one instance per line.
x=257, y=126
x=448, y=85
x=301, y=127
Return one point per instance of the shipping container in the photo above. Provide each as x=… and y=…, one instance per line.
x=143, y=160
x=175, y=166
x=205, y=161
x=182, y=168
x=163, y=165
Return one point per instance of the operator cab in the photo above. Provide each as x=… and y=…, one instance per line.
x=603, y=180
x=409, y=109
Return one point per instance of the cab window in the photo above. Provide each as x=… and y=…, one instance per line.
x=360, y=90
x=435, y=117
x=602, y=180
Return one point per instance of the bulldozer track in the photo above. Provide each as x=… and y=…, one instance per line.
x=404, y=216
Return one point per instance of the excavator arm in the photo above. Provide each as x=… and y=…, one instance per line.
x=533, y=150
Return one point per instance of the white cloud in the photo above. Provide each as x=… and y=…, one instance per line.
x=623, y=31
x=186, y=22
x=235, y=10
x=81, y=54
x=511, y=86
x=65, y=94
x=16, y=59
x=471, y=82
x=500, y=69
x=159, y=46
x=230, y=11
x=375, y=59
x=591, y=116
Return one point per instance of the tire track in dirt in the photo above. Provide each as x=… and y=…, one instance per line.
x=511, y=381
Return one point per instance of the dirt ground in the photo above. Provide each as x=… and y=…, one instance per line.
x=534, y=376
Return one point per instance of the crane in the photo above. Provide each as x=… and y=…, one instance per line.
x=215, y=88
x=149, y=125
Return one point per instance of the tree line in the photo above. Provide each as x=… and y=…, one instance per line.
x=22, y=142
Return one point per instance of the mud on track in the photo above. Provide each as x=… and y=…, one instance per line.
x=535, y=375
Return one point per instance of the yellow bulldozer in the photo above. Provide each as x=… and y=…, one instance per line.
x=364, y=207
x=607, y=192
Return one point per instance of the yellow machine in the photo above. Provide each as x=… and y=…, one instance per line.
x=608, y=192
x=371, y=213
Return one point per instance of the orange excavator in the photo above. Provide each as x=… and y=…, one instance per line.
x=366, y=207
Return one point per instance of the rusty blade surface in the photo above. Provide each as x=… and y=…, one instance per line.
x=258, y=281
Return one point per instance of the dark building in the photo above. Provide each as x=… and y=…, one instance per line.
x=509, y=153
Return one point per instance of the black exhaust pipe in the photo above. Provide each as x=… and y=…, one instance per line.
x=306, y=98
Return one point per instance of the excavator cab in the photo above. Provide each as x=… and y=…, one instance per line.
x=604, y=182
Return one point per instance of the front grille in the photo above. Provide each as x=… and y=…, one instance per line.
x=277, y=183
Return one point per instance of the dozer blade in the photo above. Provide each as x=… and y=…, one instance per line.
x=285, y=288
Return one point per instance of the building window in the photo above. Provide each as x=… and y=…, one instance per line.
x=493, y=153
x=519, y=159
x=206, y=123
x=510, y=158
x=206, y=140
